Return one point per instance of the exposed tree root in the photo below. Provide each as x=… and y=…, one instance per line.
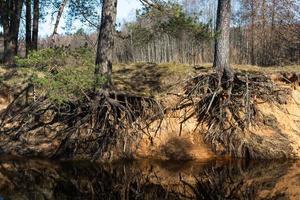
x=89, y=126
x=227, y=116
x=93, y=126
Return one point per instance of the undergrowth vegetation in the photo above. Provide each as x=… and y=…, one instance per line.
x=49, y=58
x=59, y=73
x=65, y=85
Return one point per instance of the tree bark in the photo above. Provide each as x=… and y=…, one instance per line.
x=28, y=26
x=59, y=14
x=7, y=54
x=263, y=34
x=272, y=44
x=221, y=56
x=15, y=25
x=10, y=16
x=8, y=48
x=253, y=15
x=35, y=27
x=103, y=65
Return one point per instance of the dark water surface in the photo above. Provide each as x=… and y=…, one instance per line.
x=38, y=179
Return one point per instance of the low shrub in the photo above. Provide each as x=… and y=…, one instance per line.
x=61, y=74
x=53, y=58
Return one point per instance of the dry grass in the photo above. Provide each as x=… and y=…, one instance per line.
x=17, y=77
x=145, y=78
x=255, y=68
x=274, y=69
x=158, y=80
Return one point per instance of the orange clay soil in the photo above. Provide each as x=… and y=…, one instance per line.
x=171, y=144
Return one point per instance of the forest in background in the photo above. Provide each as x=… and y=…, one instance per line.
x=263, y=33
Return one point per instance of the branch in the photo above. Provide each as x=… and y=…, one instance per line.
x=82, y=12
x=148, y=3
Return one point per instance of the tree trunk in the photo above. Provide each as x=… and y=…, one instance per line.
x=35, y=27
x=221, y=56
x=15, y=25
x=8, y=48
x=59, y=14
x=10, y=15
x=28, y=26
x=272, y=44
x=6, y=35
x=253, y=13
x=263, y=35
x=103, y=65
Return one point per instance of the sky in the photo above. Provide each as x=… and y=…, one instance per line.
x=126, y=9
x=125, y=12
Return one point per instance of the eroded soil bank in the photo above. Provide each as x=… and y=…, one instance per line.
x=275, y=135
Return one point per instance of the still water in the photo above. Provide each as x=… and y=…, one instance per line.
x=216, y=179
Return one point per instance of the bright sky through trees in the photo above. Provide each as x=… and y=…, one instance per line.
x=126, y=11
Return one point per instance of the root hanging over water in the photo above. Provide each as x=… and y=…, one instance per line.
x=227, y=114
x=88, y=126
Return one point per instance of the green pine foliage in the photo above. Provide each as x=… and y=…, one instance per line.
x=61, y=74
x=69, y=84
x=43, y=58
x=172, y=20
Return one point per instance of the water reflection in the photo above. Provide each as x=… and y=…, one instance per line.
x=37, y=179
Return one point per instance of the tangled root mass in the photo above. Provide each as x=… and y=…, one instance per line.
x=227, y=115
x=102, y=115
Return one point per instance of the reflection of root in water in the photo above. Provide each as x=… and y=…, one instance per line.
x=148, y=180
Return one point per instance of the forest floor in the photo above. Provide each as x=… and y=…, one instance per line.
x=161, y=79
x=148, y=78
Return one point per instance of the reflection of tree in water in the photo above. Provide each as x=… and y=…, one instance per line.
x=109, y=182
x=80, y=180
x=238, y=180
